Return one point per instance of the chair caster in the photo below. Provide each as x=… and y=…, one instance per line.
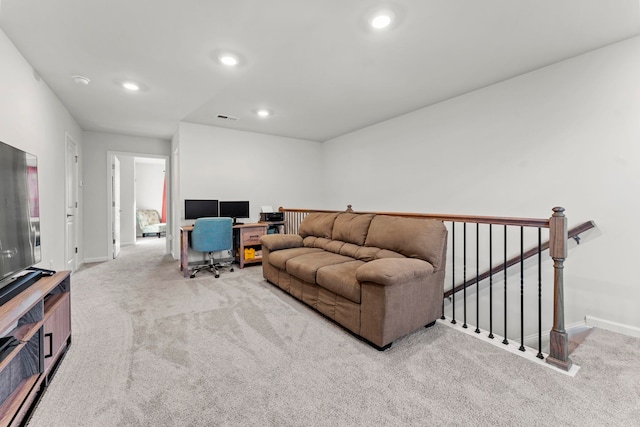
x=231, y=270
x=217, y=275
x=192, y=276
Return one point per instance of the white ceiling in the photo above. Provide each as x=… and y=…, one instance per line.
x=314, y=63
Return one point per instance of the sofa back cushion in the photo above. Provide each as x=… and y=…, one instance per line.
x=318, y=224
x=412, y=237
x=351, y=227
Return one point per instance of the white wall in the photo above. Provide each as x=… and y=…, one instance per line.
x=96, y=184
x=33, y=119
x=565, y=135
x=149, y=184
x=226, y=164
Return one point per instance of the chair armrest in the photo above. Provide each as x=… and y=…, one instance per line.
x=274, y=242
x=393, y=271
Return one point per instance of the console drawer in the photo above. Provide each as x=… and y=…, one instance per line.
x=252, y=237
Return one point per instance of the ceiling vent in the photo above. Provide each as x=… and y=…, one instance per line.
x=225, y=117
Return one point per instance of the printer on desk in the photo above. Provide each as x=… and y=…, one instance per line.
x=271, y=216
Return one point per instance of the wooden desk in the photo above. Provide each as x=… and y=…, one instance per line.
x=184, y=248
x=243, y=235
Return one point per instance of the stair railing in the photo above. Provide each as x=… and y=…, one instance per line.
x=557, y=245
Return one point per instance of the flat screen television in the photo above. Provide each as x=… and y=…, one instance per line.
x=235, y=210
x=194, y=209
x=19, y=214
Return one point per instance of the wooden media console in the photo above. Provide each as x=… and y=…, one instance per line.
x=36, y=324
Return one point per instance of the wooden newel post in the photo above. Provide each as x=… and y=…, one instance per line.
x=559, y=340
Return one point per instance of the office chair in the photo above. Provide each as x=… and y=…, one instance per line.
x=212, y=235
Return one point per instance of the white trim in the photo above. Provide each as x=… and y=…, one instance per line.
x=532, y=340
x=98, y=259
x=78, y=217
x=632, y=331
x=110, y=156
x=529, y=353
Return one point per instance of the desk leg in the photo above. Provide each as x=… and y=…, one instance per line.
x=184, y=253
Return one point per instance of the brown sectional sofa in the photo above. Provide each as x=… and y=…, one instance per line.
x=379, y=276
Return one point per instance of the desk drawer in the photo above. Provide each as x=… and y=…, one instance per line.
x=252, y=237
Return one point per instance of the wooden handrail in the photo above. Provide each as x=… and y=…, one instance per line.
x=479, y=219
x=574, y=232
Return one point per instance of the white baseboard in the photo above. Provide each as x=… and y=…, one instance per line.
x=532, y=340
x=513, y=347
x=632, y=331
x=99, y=259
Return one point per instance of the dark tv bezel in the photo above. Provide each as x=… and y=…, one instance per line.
x=7, y=280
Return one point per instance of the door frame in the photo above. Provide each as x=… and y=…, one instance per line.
x=115, y=207
x=110, y=156
x=76, y=188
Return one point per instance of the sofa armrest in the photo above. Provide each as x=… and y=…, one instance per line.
x=393, y=271
x=275, y=242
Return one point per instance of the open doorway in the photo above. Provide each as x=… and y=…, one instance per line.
x=137, y=182
x=150, y=197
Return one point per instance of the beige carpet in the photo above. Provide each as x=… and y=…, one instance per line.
x=153, y=349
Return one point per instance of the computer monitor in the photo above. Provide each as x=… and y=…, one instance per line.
x=235, y=210
x=194, y=209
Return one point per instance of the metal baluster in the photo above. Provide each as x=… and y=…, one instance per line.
x=491, y=281
x=505, y=340
x=464, y=272
x=477, y=331
x=539, y=355
x=521, y=289
x=442, y=316
x=453, y=270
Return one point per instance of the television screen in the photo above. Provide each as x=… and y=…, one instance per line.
x=235, y=210
x=19, y=211
x=194, y=209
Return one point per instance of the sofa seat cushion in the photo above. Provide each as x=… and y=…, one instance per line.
x=393, y=271
x=341, y=279
x=305, y=267
x=279, y=258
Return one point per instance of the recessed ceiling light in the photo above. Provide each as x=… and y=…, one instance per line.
x=81, y=80
x=228, y=60
x=381, y=20
x=263, y=112
x=131, y=86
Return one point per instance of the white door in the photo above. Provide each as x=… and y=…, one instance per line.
x=71, y=204
x=115, y=191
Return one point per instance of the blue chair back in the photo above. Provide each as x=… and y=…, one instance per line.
x=212, y=234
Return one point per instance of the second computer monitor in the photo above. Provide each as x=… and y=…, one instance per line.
x=235, y=210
